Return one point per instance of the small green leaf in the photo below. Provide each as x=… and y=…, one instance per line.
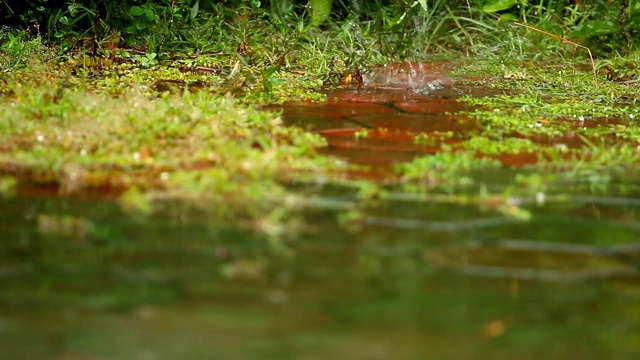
x=633, y=22
x=242, y=59
x=594, y=28
x=423, y=3
x=507, y=18
x=266, y=83
x=271, y=70
x=150, y=15
x=320, y=10
x=281, y=7
x=498, y=5
x=195, y=9
x=136, y=11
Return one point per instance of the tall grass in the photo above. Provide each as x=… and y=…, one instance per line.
x=362, y=30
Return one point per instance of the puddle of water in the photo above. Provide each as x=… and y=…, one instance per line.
x=421, y=281
x=398, y=102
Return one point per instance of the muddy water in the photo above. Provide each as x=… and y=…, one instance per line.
x=393, y=104
x=375, y=122
x=413, y=280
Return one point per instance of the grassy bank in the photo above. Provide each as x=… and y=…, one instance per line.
x=146, y=123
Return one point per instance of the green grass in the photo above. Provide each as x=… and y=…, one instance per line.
x=174, y=117
x=107, y=125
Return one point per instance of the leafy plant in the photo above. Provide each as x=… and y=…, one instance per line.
x=147, y=60
x=143, y=17
x=17, y=51
x=320, y=10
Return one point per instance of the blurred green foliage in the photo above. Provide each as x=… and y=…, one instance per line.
x=398, y=25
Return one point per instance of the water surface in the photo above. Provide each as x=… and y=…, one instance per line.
x=181, y=286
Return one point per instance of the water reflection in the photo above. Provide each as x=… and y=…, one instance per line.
x=81, y=280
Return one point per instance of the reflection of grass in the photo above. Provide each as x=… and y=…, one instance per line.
x=445, y=167
x=498, y=147
x=99, y=259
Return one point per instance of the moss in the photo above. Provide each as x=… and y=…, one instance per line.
x=158, y=132
x=449, y=168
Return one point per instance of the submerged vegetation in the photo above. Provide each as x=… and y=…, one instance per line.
x=156, y=101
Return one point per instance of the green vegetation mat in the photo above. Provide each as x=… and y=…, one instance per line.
x=173, y=114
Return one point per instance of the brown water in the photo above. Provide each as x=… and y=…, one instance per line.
x=374, y=123
x=414, y=279
x=395, y=103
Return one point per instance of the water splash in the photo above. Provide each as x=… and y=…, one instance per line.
x=420, y=78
